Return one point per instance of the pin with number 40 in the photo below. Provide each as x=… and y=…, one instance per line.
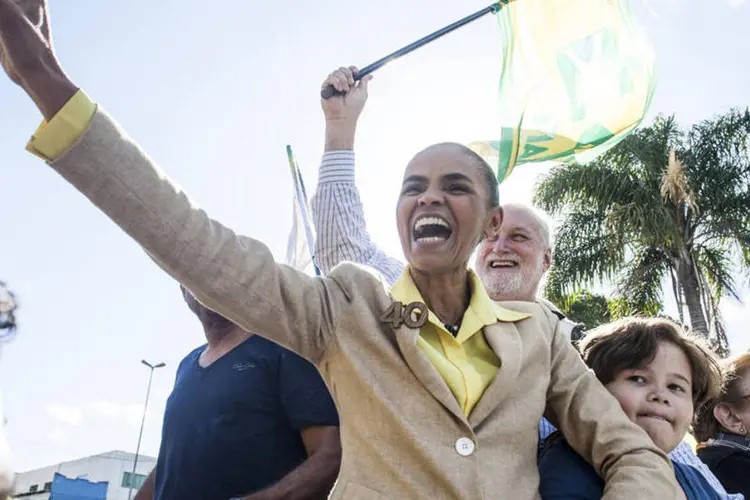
x=414, y=315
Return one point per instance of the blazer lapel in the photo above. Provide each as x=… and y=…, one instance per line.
x=505, y=340
x=423, y=369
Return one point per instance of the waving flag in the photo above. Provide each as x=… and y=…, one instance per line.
x=300, y=246
x=577, y=77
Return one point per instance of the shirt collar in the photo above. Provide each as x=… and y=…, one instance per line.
x=482, y=310
x=733, y=440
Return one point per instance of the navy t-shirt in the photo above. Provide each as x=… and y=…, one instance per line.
x=233, y=428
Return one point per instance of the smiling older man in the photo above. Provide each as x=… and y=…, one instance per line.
x=510, y=265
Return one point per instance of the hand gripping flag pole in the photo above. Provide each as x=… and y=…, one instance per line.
x=576, y=78
x=329, y=91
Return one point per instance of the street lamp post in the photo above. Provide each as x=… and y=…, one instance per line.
x=143, y=421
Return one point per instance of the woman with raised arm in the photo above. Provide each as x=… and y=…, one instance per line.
x=439, y=390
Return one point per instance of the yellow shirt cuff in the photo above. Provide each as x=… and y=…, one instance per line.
x=53, y=139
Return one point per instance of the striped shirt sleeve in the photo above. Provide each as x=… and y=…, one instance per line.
x=683, y=454
x=339, y=221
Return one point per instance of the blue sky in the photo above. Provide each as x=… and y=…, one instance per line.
x=214, y=94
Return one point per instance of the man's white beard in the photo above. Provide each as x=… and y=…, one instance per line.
x=522, y=281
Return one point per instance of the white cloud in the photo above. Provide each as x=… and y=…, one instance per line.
x=104, y=408
x=65, y=414
x=59, y=437
x=161, y=395
x=133, y=414
x=736, y=4
x=128, y=413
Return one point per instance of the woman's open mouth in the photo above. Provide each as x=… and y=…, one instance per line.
x=431, y=229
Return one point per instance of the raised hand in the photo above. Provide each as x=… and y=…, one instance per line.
x=342, y=110
x=349, y=103
x=28, y=57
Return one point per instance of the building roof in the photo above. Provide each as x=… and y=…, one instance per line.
x=111, y=455
x=124, y=455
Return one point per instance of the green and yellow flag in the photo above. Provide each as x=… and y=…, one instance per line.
x=577, y=77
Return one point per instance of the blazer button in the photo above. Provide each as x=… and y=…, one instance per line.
x=465, y=446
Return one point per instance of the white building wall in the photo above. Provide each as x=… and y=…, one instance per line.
x=105, y=467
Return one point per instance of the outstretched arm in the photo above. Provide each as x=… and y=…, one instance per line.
x=230, y=274
x=338, y=214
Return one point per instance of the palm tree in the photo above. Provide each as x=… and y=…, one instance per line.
x=8, y=307
x=663, y=202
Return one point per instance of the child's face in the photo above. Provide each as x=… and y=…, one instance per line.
x=659, y=396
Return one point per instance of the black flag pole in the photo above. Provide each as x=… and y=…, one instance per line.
x=329, y=91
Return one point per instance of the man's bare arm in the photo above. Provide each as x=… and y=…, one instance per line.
x=315, y=477
x=147, y=489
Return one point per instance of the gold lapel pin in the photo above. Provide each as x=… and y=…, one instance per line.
x=414, y=315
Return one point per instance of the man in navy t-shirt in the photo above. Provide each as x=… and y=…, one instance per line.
x=246, y=418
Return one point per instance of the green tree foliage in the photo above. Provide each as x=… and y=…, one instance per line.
x=664, y=205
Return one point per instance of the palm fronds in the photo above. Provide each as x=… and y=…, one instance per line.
x=662, y=201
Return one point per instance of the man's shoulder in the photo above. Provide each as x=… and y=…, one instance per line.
x=532, y=308
x=544, y=314
x=539, y=315
x=188, y=363
x=715, y=454
x=268, y=355
x=191, y=357
x=275, y=353
x=571, y=329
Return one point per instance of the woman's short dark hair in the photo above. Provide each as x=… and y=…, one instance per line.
x=488, y=175
x=633, y=343
x=733, y=372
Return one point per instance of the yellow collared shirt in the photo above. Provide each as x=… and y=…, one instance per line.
x=466, y=362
